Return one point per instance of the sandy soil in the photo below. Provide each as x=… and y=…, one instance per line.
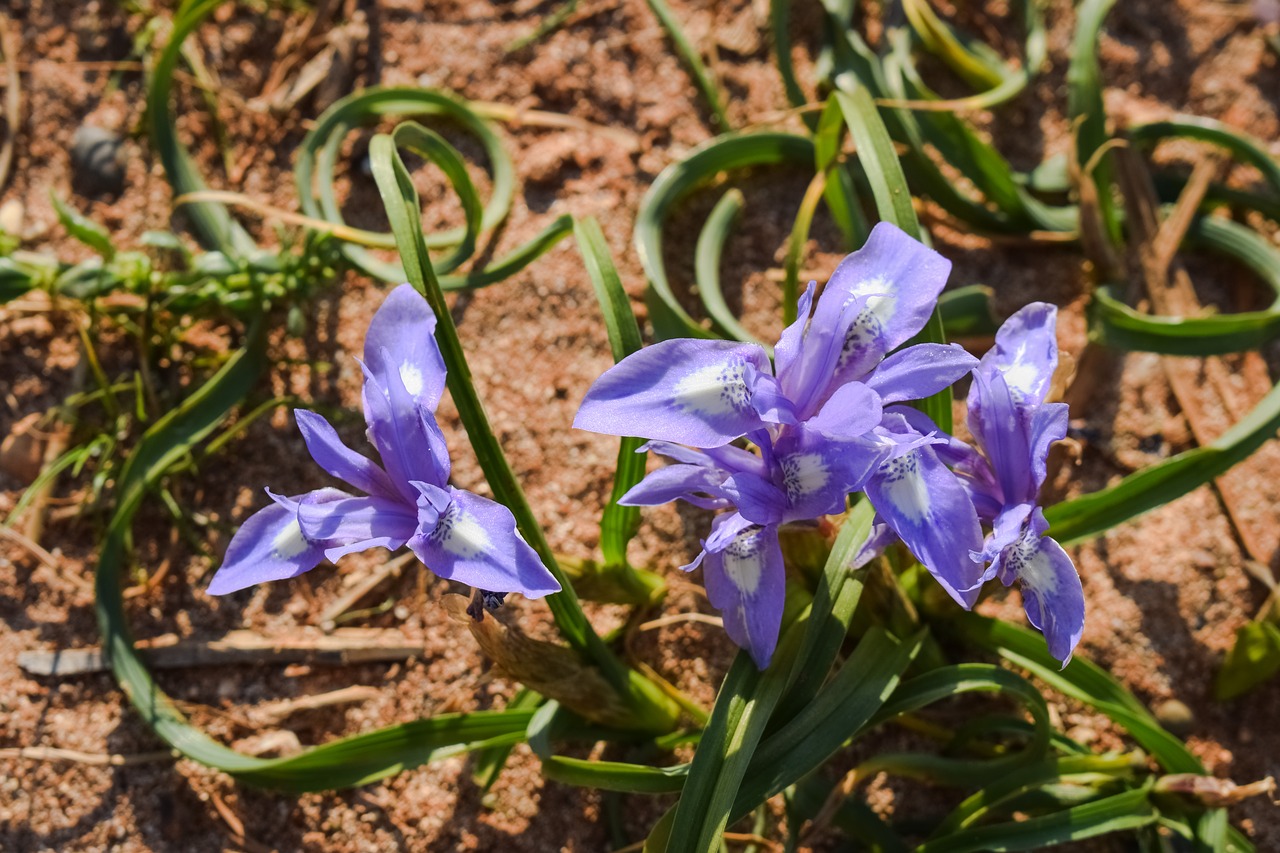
x=1166, y=593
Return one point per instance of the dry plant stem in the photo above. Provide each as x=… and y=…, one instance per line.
x=829, y=808
x=1211, y=394
x=32, y=547
x=389, y=569
x=12, y=96
x=273, y=713
x=75, y=756
x=60, y=436
x=343, y=647
x=553, y=670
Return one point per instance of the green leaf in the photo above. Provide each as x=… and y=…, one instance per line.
x=213, y=225
x=1157, y=485
x=1253, y=659
x=83, y=228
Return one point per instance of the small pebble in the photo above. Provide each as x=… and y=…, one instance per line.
x=97, y=158
x=1175, y=716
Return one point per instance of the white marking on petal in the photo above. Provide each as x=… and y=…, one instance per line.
x=1021, y=377
x=804, y=474
x=460, y=534
x=744, y=560
x=870, y=323
x=904, y=487
x=411, y=376
x=290, y=542
x=719, y=389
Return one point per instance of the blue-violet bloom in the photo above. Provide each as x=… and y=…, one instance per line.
x=819, y=422
x=405, y=500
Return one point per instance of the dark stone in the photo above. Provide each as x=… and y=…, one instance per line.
x=97, y=160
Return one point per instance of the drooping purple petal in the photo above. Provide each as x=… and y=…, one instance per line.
x=339, y=460
x=401, y=337
x=880, y=536
x=1026, y=353
x=920, y=371
x=474, y=541
x=405, y=433
x=693, y=392
x=817, y=472
x=927, y=507
x=852, y=410
x=344, y=523
x=746, y=582
x=1051, y=590
x=900, y=279
x=269, y=546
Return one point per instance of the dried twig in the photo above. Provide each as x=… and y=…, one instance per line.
x=274, y=713
x=389, y=569
x=96, y=759
x=343, y=647
x=12, y=96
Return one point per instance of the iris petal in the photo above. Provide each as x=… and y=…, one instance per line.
x=688, y=391
x=401, y=338
x=927, y=507
x=269, y=546
x=474, y=541
x=337, y=459
x=746, y=582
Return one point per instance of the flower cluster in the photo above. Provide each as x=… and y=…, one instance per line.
x=406, y=500
x=831, y=418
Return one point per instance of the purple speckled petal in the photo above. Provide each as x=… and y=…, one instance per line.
x=401, y=338
x=339, y=460
x=818, y=473
x=900, y=279
x=1001, y=428
x=474, y=541
x=1051, y=590
x=688, y=391
x=746, y=582
x=920, y=371
x=929, y=510
x=269, y=546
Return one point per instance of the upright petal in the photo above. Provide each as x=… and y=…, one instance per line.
x=474, y=541
x=746, y=582
x=401, y=337
x=344, y=523
x=269, y=546
x=1001, y=427
x=339, y=460
x=900, y=279
x=1026, y=353
x=1048, y=425
x=688, y=391
x=920, y=371
x=852, y=410
x=406, y=434
x=927, y=507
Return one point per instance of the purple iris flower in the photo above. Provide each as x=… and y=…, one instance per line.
x=818, y=421
x=1014, y=428
x=406, y=500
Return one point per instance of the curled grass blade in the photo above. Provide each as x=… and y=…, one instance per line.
x=675, y=183
x=214, y=226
